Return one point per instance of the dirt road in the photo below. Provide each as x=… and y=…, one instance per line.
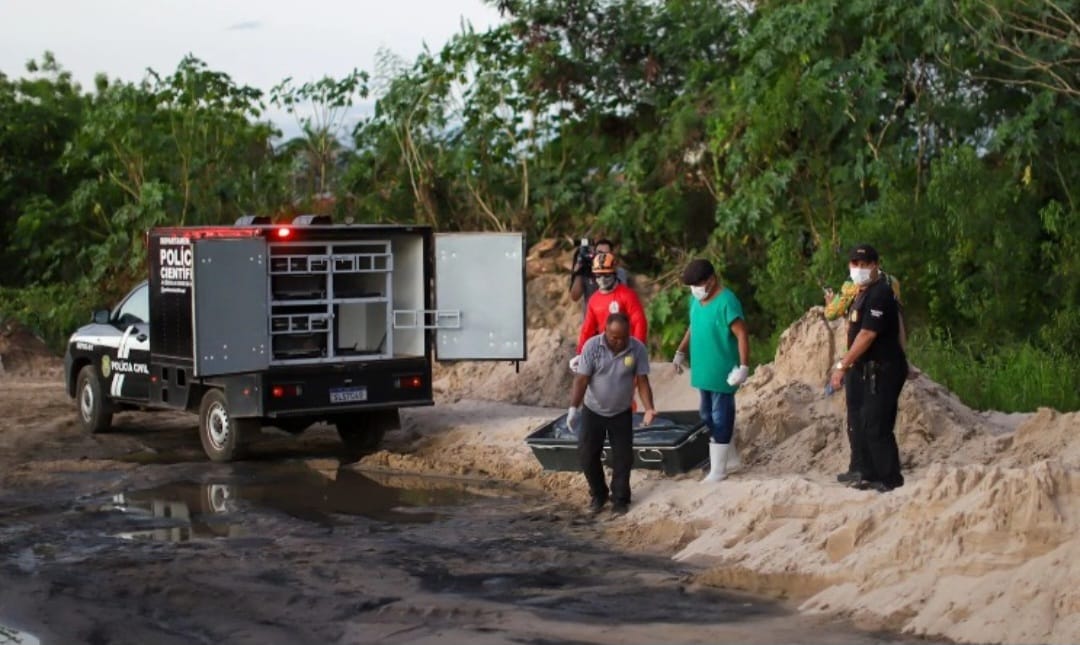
x=132, y=537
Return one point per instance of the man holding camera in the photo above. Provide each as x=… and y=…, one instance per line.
x=583, y=282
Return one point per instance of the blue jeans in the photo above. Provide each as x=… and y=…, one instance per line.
x=718, y=412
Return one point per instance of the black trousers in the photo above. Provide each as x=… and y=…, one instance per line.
x=880, y=386
x=619, y=431
x=853, y=398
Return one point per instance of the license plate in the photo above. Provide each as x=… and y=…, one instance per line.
x=348, y=394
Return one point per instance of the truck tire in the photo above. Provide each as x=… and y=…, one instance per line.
x=363, y=433
x=95, y=409
x=221, y=434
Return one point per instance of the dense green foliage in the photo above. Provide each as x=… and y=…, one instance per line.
x=946, y=133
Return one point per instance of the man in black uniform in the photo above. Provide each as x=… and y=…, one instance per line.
x=878, y=366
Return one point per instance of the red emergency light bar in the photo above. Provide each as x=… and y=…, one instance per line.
x=203, y=232
x=284, y=232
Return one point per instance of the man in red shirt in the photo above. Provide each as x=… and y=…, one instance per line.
x=612, y=297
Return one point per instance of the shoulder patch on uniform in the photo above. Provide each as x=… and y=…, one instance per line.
x=876, y=313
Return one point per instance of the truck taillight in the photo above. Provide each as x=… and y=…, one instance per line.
x=414, y=382
x=282, y=391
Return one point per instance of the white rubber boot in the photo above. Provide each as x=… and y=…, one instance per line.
x=718, y=453
x=733, y=461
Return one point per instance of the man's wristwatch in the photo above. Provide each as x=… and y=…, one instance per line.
x=840, y=365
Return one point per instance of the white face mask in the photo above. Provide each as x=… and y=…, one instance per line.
x=605, y=282
x=699, y=292
x=860, y=276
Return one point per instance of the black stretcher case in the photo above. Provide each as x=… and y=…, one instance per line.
x=675, y=443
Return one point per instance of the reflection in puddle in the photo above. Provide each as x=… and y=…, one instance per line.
x=12, y=636
x=185, y=518
x=184, y=511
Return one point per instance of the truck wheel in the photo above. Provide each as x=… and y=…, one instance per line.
x=220, y=433
x=363, y=433
x=95, y=409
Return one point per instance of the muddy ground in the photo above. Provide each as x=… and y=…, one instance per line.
x=133, y=537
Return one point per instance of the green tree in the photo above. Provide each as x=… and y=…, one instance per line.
x=320, y=108
x=39, y=115
x=182, y=149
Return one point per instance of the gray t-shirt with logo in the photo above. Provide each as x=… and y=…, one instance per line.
x=611, y=382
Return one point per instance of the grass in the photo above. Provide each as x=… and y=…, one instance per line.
x=1019, y=377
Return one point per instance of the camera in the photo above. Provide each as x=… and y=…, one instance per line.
x=583, y=258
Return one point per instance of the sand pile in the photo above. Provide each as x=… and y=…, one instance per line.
x=786, y=423
x=1047, y=434
x=980, y=546
x=543, y=379
x=974, y=553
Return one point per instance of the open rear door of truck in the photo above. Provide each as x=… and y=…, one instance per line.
x=479, y=297
x=231, y=334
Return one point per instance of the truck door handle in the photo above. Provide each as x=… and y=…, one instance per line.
x=141, y=337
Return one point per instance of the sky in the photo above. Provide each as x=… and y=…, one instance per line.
x=256, y=42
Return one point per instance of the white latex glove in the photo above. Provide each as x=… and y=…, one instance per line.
x=738, y=375
x=573, y=416
x=574, y=362
x=679, y=362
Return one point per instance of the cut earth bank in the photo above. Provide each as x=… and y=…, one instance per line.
x=981, y=545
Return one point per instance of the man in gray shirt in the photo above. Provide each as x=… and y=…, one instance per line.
x=612, y=365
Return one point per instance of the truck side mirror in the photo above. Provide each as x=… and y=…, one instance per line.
x=101, y=316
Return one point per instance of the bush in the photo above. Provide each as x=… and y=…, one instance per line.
x=51, y=312
x=1018, y=377
x=669, y=317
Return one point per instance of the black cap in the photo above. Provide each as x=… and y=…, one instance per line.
x=698, y=271
x=863, y=252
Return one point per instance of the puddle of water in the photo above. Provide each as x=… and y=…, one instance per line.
x=12, y=636
x=184, y=511
x=177, y=518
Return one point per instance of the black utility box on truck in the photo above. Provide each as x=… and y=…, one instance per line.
x=296, y=324
x=674, y=443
